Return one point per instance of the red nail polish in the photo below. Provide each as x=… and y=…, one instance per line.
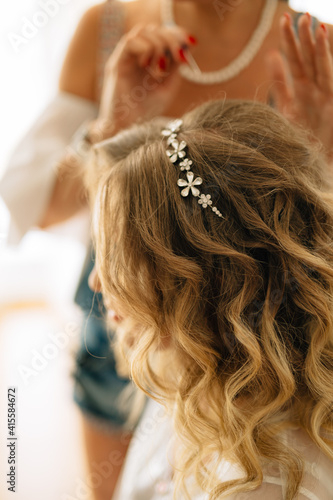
x=309, y=15
x=324, y=28
x=182, y=55
x=287, y=16
x=162, y=63
x=192, y=39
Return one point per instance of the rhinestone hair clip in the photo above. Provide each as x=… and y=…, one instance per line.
x=177, y=156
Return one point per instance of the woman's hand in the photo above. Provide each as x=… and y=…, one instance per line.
x=303, y=91
x=141, y=75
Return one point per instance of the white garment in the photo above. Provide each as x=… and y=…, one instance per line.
x=147, y=472
x=27, y=184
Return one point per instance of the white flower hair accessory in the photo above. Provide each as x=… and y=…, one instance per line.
x=177, y=154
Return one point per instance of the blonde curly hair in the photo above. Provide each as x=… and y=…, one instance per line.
x=240, y=308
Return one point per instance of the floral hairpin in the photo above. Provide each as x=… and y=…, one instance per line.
x=177, y=155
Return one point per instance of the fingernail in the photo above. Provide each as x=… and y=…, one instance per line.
x=309, y=15
x=182, y=55
x=287, y=16
x=192, y=39
x=162, y=63
x=324, y=28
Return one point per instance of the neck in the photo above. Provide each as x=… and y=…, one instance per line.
x=217, y=16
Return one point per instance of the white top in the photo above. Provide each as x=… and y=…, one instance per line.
x=27, y=184
x=147, y=473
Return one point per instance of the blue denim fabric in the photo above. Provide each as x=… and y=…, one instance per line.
x=97, y=384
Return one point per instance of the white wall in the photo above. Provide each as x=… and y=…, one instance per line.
x=30, y=70
x=323, y=9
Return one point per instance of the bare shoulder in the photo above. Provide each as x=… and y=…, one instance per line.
x=141, y=12
x=78, y=75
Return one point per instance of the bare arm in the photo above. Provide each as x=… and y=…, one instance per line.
x=105, y=454
x=78, y=77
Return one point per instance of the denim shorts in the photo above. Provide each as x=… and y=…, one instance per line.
x=98, y=389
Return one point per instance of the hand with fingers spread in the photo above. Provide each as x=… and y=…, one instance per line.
x=141, y=75
x=303, y=91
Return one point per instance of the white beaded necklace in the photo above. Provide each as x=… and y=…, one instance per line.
x=191, y=71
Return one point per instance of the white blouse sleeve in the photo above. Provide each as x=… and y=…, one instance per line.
x=272, y=489
x=148, y=471
x=27, y=184
x=317, y=483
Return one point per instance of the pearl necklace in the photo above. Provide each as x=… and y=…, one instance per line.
x=192, y=73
